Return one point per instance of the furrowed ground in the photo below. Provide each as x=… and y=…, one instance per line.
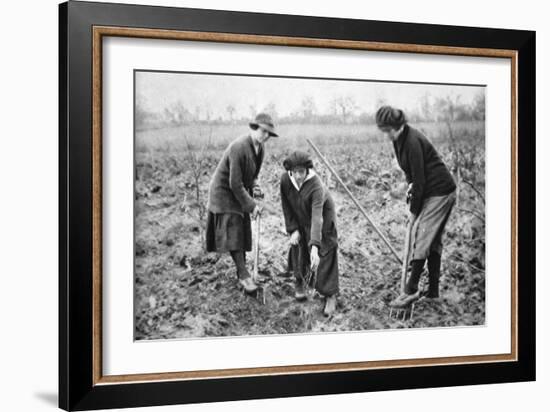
x=182, y=291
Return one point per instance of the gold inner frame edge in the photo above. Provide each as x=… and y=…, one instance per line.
x=99, y=32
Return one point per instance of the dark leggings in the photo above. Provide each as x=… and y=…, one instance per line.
x=434, y=270
x=239, y=257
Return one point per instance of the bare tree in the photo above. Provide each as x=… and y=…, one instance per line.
x=271, y=109
x=207, y=113
x=142, y=111
x=478, y=107
x=426, y=107
x=447, y=108
x=176, y=113
x=197, y=113
x=231, y=111
x=464, y=162
x=344, y=106
x=197, y=163
x=308, y=108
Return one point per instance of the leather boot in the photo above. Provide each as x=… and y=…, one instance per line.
x=417, y=267
x=434, y=272
x=245, y=280
x=299, y=292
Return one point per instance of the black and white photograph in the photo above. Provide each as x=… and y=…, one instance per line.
x=268, y=205
x=275, y=206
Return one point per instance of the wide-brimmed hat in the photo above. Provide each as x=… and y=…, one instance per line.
x=264, y=121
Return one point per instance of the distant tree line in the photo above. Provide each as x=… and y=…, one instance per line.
x=342, y=109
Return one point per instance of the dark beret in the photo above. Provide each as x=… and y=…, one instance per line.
x=296, y=159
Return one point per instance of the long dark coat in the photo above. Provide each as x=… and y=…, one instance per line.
x=311, y=211
x=230, y=197
x=235, y=176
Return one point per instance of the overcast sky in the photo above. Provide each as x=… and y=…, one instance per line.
x=158, y=90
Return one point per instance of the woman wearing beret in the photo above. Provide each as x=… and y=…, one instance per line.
x=231, y=196
x=310, y=221
x=431, y=197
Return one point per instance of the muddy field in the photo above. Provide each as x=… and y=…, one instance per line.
x=181, y=291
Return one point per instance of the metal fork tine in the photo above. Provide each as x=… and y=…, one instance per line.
x=403, y=313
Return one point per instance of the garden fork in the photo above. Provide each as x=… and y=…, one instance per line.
x=260, y=292
x=258, y=219
x=404, y=311
x=310, y=281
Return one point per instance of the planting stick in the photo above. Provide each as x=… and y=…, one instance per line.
x=354, y=200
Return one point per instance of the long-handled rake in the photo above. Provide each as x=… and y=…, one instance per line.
x=403, y=262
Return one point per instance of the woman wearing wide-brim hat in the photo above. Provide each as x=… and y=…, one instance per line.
x=231, y=197
x=431, y=196
x=310, y=220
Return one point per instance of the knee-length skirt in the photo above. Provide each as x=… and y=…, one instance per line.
x=226, y=232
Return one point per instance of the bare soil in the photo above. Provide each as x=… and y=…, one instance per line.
x=182, y=291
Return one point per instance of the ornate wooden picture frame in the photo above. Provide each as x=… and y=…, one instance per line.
x=82, y=382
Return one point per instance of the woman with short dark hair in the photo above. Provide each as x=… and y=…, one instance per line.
x=231, y=196
x=431, y=196
x=310, y=220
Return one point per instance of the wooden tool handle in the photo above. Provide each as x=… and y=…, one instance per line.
x=406, y=253
x=256, y=248
x=354, y=200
